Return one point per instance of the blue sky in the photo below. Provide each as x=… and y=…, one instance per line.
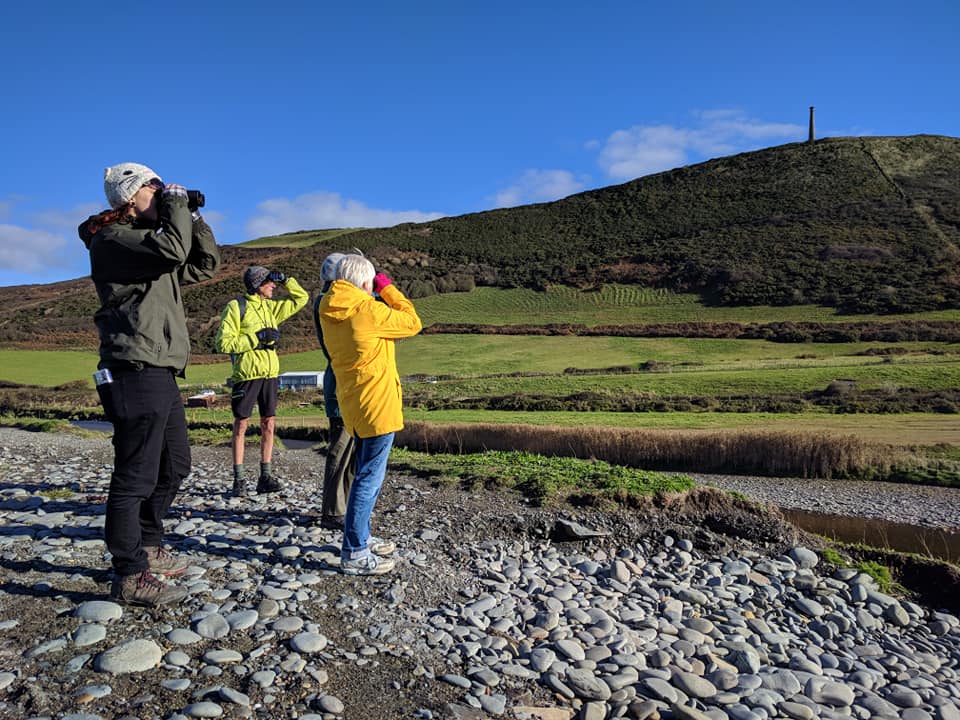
x=304, y=115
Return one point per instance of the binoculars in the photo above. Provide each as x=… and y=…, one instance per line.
x=195, y=199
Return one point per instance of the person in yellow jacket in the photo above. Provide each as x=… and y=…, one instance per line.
x=249, y=333
x=359, y=333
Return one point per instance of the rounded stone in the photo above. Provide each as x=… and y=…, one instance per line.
x=99, y=611
x=129, y=657
x=89, y=634
x=203, y=710
x=183, y=636
x=330, y=704
x=308, y=642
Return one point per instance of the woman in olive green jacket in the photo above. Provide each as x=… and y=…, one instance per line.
x=141, y=251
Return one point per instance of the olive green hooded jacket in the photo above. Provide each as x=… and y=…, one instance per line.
x=137, y=269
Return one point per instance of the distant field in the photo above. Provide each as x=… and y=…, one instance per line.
x=47, y=367
x=621, y=304
x=298, y=239
x=932, y=376
x=489, y=354
x=695, y=366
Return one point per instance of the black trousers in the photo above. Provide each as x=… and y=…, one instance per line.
x=151, y=458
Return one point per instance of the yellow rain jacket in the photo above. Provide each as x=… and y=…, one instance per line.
x=359, y=332
x=238, y=337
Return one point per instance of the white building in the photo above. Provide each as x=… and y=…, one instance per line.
x=301, y=380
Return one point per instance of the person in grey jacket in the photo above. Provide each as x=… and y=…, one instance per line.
x=141, y=251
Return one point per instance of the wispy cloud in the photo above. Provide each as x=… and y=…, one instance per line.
x=539, y=186
x=64, y=220
x=34, y=243
x=30, y=251
x=644, y=149
x=318, y=210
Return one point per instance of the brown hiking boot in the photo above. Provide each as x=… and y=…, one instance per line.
x=164, y=562
x=268, y=484
x=145, y=589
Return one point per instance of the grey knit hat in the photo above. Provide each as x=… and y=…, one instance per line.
x=121, y=182
x=254, y=277
x=328, y=271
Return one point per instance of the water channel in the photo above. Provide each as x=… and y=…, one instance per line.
x=903, y=537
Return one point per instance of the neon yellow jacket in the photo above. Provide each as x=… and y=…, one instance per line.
x=239, y=337
x=359, y=332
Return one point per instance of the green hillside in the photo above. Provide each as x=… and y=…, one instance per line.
x=862, y=225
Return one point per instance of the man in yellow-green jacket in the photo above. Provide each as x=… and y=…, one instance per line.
x=359, y=334
x=249, y=333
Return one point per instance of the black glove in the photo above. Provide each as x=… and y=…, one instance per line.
x=277, y=277
x=268, y=338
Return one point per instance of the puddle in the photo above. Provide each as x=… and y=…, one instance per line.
x=98, y=425
x=294, y=444
x=931, y=542
x=103, y=426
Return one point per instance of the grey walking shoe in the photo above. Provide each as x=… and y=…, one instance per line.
x=164, y=562
x=369, y=565
x=379, y=546
x=145, y=589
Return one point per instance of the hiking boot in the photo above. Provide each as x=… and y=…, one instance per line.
x=164, y=562
x=332, y=522
x=239, y=487
x=369, y=565
x=379, y=546
x=145, y=589
x=268, y=484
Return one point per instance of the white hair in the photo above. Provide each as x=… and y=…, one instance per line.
x=356, y=269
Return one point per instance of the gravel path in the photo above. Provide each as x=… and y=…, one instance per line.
x=927, y=506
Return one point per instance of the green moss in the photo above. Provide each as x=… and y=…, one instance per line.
x=540, y=478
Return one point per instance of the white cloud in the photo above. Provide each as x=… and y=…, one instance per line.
x=31, y=251
x=321, y=210
x=539, y=186
x=644, y=149
x=65, y=220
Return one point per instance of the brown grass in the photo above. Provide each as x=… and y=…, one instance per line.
x=793, y=454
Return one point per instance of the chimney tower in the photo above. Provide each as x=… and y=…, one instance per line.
x=810, y=138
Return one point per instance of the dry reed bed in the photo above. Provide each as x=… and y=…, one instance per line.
x=787, y=454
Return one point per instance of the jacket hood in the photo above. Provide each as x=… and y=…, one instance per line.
x=90, y=227
x=343, y=300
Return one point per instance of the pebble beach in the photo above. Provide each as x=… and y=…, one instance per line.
x=487, y=614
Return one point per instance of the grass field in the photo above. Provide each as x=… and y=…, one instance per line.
x=476, y=365
x=298, y=239
x=621, y=304
x=697, y=366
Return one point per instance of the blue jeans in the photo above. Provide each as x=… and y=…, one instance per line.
x=372, y=454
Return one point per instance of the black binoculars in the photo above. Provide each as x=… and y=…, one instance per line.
x=195, y=199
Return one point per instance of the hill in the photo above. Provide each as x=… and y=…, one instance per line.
x=863, y=224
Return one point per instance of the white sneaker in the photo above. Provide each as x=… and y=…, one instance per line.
x=379, y=546
x=368, y=565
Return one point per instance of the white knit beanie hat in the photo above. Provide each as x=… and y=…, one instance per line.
x=121, y=182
